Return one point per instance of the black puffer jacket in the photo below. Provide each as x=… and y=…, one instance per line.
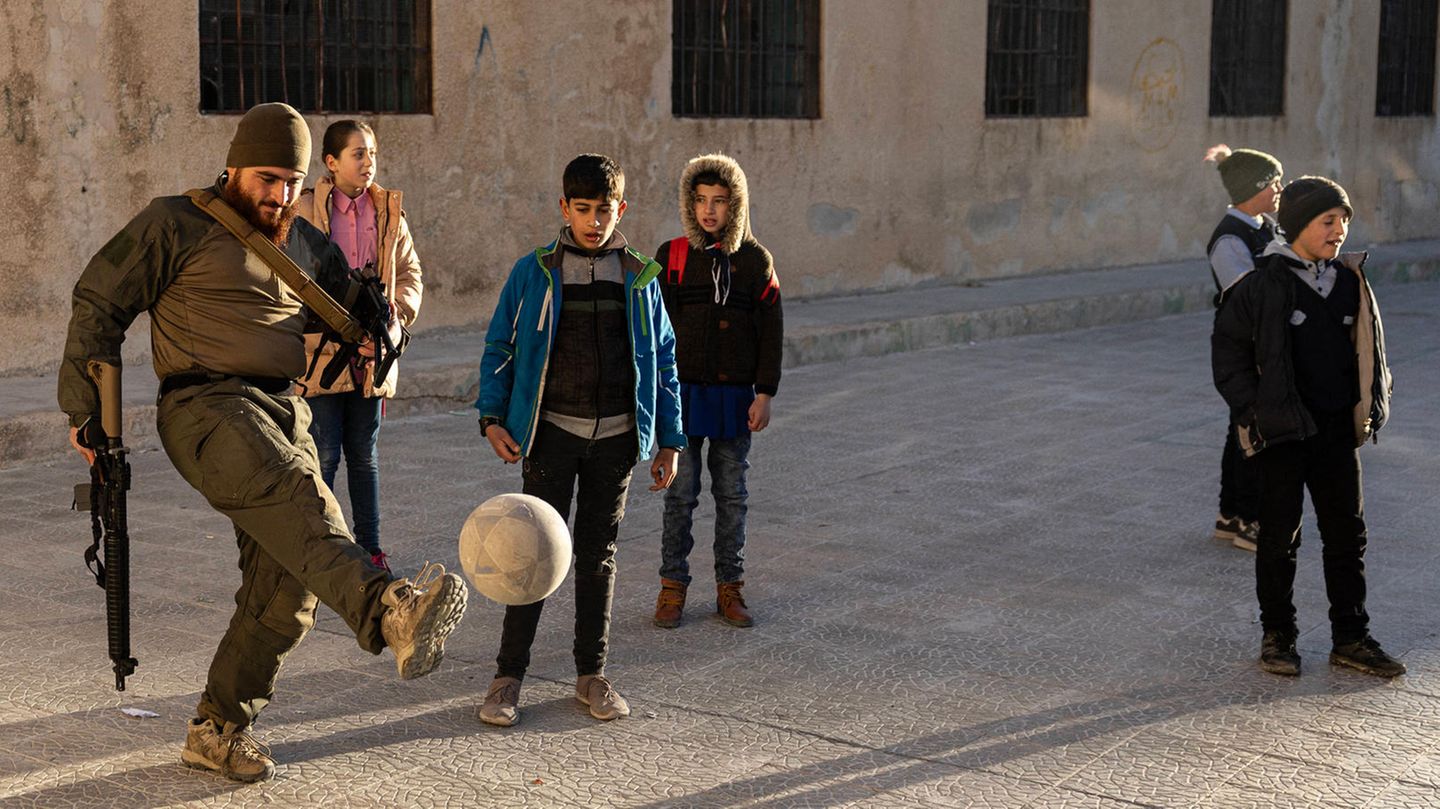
x=1252, y=358
x=728, y=331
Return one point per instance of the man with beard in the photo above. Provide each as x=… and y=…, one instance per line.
x=226, y=335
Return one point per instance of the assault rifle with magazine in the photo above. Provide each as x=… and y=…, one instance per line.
x=108, y=556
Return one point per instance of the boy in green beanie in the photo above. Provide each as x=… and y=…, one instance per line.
x=1252, y=179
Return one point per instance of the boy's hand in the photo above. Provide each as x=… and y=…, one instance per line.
x=760, y=412
x=663, y=468
x=503, y=444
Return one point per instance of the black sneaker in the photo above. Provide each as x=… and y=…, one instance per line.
x=1278, y=655
x=1367, y=656
x=1248, y=537
x=1227, y=527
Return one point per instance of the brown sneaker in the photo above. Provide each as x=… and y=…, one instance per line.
x=670, y=605
x=230, y=751
x=604, y=701
x=499, y=707
x=731, y=605
x=422, y=614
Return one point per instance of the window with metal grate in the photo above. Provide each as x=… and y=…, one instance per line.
x=1405, y=75
x=1247, y=58
x=353, y=56
x=745, y=58
x=1037, y=58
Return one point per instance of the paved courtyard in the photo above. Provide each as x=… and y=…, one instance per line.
x=982, y=577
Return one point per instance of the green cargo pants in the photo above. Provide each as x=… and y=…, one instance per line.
x=250, y=454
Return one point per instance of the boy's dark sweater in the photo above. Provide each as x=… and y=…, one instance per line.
x=1326, y=375
x=591, y=374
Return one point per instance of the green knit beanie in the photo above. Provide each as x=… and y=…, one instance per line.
x=1245, y=172
x=271, y=134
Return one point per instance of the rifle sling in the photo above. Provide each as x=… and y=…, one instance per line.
x=284, y=267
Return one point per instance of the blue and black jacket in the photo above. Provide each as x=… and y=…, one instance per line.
x=522, y=334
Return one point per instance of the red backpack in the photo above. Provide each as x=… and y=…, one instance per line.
x=675, y=264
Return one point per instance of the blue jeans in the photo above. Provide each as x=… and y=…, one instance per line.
x=351, y=421
x=727, y=461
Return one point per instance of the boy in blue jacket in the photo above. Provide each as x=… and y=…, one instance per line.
x=578, y=381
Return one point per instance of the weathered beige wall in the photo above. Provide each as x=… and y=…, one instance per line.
x=902, y=181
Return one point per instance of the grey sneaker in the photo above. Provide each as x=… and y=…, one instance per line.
x=604, y=701
x=230, y=751
x=499, y=707
x=422, y=614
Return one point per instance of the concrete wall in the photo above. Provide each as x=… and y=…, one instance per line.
x=902, y=181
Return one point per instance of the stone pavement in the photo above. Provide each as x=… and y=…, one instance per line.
x=982, y=577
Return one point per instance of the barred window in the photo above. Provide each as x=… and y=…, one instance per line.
x=1405, y=83
x=1247, y=58
x=745, y=58
x=359, y=56
x=1037, y=58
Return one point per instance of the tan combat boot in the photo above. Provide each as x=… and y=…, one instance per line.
x=422, y=614
x=670, y=604
x=731, y=605
x=230, y=751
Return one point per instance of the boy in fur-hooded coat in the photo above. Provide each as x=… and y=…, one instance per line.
x=723, y=298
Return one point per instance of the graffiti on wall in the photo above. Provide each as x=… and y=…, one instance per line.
x=480, y=49
x=1155, y=87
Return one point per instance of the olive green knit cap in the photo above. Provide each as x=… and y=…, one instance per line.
x=1245, y=172
x=271, y=134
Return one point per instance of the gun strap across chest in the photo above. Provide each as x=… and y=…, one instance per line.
x=284, y=267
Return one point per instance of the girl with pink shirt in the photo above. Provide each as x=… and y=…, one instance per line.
x=366, y=222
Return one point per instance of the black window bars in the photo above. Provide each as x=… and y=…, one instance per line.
x=745, y=58
x=1405, y=75
x=1037, y=58
x=1247, y=58
x=360, y=56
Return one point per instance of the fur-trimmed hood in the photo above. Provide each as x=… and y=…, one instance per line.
x=737, y=230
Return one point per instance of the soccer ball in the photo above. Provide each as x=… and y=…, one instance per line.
x=515, y=548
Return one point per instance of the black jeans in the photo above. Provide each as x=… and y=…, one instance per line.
x=556, y=461
x=1329, y=466
x=1239, y=481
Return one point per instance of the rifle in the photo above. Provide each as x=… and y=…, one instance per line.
x=363, y=311
x=368, y=304
x=105, y=496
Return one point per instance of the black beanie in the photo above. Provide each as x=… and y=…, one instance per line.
x=271, y=134
x=1306, y=198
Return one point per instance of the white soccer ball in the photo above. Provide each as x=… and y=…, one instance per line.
x=515, y=548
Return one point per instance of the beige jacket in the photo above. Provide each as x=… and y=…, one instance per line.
x=399, y=269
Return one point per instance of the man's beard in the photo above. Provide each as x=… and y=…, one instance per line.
x=277, y=232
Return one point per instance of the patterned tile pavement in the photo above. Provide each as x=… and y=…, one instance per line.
x=982, y=577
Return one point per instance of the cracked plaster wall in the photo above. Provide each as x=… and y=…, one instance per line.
x=902, y=181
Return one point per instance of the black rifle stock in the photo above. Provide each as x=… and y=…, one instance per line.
x=105, y=496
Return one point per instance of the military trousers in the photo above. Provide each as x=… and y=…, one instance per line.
x=250, y=454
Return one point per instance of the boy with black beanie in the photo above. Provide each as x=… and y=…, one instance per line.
x=1298, y=352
